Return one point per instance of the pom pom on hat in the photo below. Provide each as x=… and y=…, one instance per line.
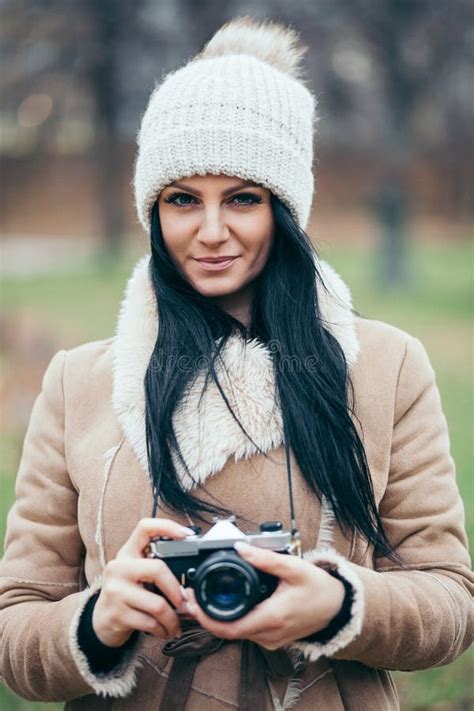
x=271, y=42
x=238, y=108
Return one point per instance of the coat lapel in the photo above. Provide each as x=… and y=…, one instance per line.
x=207, y=433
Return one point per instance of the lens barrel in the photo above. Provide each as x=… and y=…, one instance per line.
x=226, y=586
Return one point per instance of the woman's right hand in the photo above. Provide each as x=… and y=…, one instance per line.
x=124, y=605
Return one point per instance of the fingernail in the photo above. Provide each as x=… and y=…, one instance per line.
x=242, y=546
x=188, y=531
x=184, y=594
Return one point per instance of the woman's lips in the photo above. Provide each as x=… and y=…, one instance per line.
x=216, y=266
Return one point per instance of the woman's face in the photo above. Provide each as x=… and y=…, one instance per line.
x=214, y=216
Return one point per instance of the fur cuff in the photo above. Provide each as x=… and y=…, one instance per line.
x=121, y=679
x=328, y=559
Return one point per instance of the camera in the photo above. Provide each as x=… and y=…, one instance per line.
x=225, y=585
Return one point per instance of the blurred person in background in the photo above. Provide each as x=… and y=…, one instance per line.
x=237, y=357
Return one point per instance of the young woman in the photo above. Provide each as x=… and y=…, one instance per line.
x=238, y=368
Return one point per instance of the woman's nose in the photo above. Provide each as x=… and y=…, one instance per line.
x=213, y=229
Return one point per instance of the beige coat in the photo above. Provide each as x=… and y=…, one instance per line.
x=82, y=486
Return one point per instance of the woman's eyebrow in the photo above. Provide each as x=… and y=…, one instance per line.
x=246, y=184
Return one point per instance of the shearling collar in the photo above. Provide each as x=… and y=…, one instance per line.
x=208, y=435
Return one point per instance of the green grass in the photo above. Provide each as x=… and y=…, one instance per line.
x=436, y=306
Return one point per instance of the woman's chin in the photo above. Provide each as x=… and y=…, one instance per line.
x=212, y=288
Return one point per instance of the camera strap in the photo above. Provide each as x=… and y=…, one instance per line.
x=295, y=536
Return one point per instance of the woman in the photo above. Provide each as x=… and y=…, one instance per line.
x=218, y=373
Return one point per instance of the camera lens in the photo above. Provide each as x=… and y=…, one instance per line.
x=226, y=586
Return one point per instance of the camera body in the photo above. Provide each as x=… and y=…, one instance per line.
x=226, y=586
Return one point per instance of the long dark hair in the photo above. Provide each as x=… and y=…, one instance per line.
x=316, y=403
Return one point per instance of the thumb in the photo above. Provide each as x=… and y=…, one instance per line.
x=282, y=565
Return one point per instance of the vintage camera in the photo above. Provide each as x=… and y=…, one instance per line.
x=225, y=585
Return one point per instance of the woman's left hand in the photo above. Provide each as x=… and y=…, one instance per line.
x=305, y=601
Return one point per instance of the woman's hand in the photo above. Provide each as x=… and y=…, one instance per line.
x=124, y=605
x=305, y=601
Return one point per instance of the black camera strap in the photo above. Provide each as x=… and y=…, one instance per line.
x=295, y=536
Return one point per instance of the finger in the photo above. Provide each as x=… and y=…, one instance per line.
x=155, y=606
x=220, y=629
x=148, y=528
x=138, y=620
x=148, y=570
x=283, y=566
x=261, y=619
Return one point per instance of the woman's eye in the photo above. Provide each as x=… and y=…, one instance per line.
x=247, y=199
x=179, y=196
x=184, y=199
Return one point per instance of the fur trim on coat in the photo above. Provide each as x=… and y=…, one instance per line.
x=249, y=381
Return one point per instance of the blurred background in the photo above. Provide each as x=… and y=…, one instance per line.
x=393, y=209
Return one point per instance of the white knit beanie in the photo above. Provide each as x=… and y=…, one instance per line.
x=238, y=108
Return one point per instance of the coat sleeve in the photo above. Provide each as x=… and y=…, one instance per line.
x=41, y=572
x=417, y=614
